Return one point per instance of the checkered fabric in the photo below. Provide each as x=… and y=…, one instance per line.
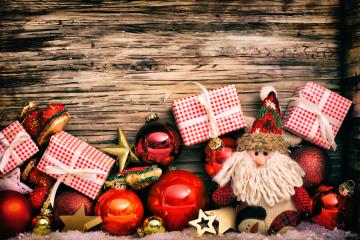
x=287, y=218
x=223, y=196
x=302, y=200
x=189, y=108
x=63, y=147
x=24, y=150
x=300, y=121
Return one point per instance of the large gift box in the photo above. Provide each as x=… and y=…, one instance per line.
x=208, y=115
x=76, y=164
x=316, y=114
x=16, y=146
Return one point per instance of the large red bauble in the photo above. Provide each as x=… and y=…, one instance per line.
x=69, y=202
x=121, y=210
x=15, y=213
x=315, y=163
x=157, y=143
x=215, y=158
x=177, y=198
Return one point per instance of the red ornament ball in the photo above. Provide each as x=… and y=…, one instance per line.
x=68, y=203
x=177, y=198
x=15, y=213
x=121, y=210
x=215, y=158
x=315, y=163
x=157, y=143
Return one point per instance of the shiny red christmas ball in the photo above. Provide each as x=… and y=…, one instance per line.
x=157, y=143
x=15, y=213
x=68, y=203
x=121, y=210
x=177, y=198
x=215, y=158
x=315, y=163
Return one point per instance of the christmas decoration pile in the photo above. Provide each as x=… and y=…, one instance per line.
x=51, y=180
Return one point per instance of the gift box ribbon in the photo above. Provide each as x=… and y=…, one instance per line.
x=322, y=120
x=11, y=181
x=205, y=101
x=10, y=147
x=66, y=172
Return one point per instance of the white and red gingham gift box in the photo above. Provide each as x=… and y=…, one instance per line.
x=67, y=155
x=16, y=146
x=305, y=123
x=193, y=122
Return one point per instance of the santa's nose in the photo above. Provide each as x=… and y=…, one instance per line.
x=259, y=157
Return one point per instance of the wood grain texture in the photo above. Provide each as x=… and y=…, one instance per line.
x=109, y=61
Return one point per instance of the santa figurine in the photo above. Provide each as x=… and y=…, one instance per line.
x=261, y=178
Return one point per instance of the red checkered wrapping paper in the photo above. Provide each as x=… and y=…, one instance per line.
x=302, y=122
x=193, y=122
x=16, y=146
x=66, y=151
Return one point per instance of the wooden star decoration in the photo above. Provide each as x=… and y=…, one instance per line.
x=201, y=218
x=226, y=218
x=79, y=221
x=122, y=152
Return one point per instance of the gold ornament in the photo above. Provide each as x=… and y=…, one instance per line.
x=226, y=217
x=79, y=221
x=122, y=151
x=204, y=218
x=41, y=225
x=153, y=224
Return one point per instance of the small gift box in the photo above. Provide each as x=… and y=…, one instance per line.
x=76, y=164
x=208, y=115
x=16, y=146
x=316, y=114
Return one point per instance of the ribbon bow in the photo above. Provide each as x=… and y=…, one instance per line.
x=322, y=121
x=65, y=172
x=11, y=181
x=204, y=99
x=9, y=152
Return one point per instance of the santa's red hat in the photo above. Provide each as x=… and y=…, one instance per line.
x=266, y=131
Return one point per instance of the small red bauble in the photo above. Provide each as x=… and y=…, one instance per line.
x=157, y=143
x=15, y=213
x=315, y=163
x=121, y=210
x=68, y=203
x=215, y=158
x=177, y=198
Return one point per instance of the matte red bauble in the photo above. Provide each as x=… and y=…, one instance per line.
x=157, y=142
x=333, y=207
x=177, y=198
x=68, y=203
x=121, y=210
x=215, y=158
x=15, y=213
x=315, y=163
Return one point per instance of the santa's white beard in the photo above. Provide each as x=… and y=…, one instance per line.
x=274, y=182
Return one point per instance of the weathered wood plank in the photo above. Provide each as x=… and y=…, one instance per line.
x=109, y=61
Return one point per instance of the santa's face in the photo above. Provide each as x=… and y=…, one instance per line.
x=259, y=157
x=255, y=175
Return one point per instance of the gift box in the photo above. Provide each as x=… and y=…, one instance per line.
x=76, y=164
x=16, y=146
x=208, y=115
x=316, y=114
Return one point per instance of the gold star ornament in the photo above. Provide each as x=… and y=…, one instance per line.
x=226, y=217
x=79, y=221
x=198, y=223
x=122, y=152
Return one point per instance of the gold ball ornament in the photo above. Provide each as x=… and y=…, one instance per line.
x=153, y=224
x=41, y=225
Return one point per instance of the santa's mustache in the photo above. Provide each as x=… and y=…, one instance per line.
x=274, y=182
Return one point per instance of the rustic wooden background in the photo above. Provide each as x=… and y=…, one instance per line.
x=109, y=61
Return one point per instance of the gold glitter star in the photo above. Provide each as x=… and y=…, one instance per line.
x=79, y=221
x=226, y=218
x=122, y=152
x=209, y=225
